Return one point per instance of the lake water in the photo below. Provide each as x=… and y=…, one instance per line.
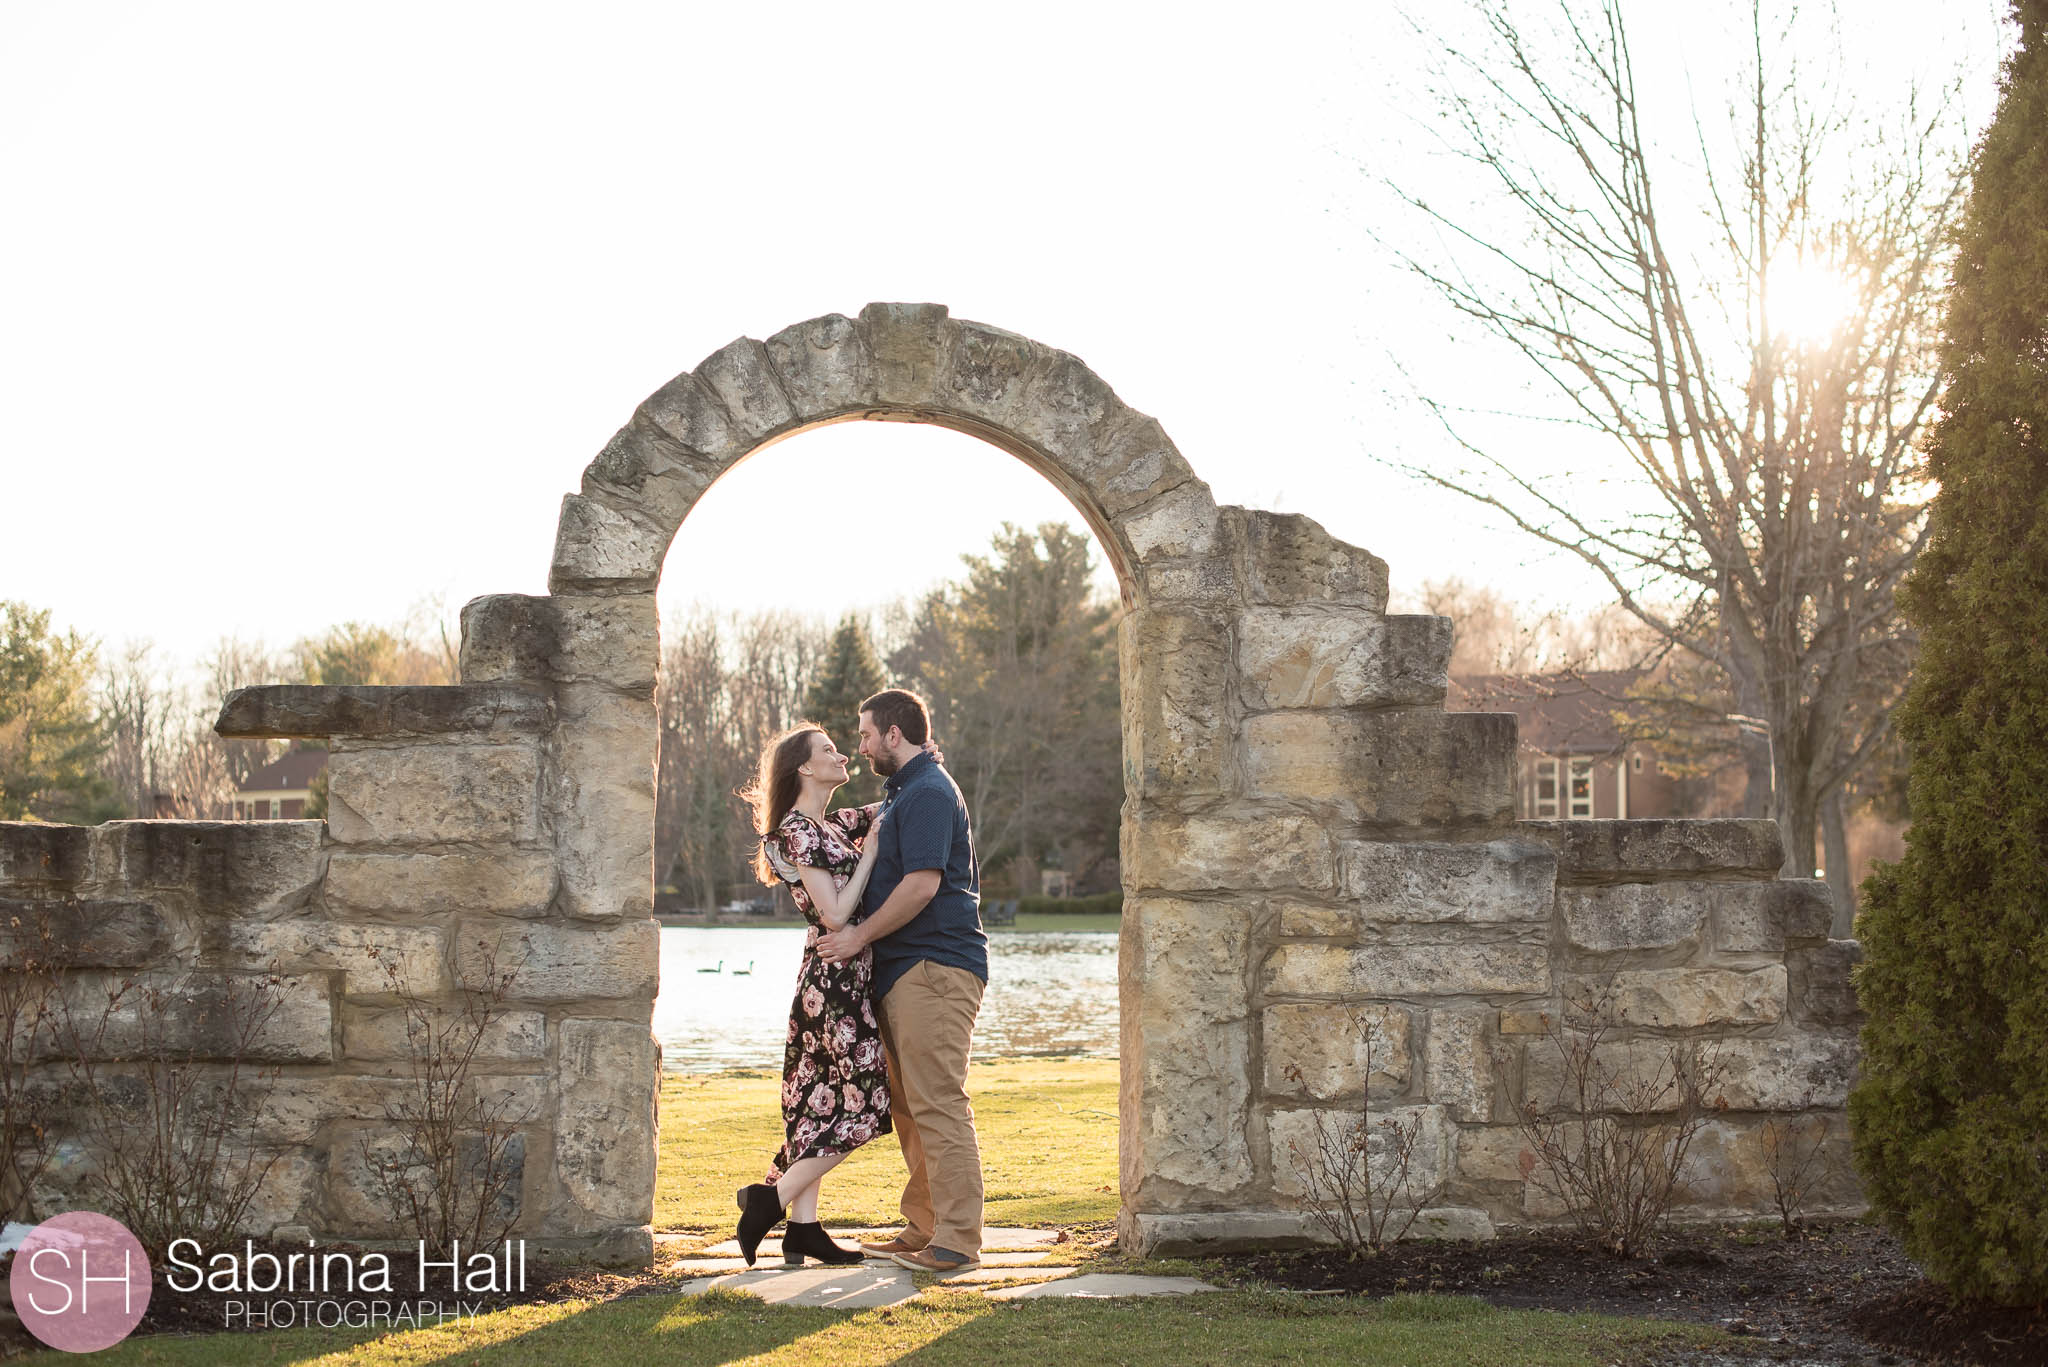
x=1049, y=992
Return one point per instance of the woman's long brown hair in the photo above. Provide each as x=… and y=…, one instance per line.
x=774, y=789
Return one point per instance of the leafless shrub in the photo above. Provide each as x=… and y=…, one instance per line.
x=1355, y=1177
x=27, y=982
x=1795, y=1149
x=451, y=1174
x=165, y=1070
x=1612, y=1144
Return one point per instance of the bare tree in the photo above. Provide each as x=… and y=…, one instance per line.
x=1770, y=448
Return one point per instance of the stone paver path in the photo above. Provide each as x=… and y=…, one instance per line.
x=1103, y=1284
x=1028, y=1256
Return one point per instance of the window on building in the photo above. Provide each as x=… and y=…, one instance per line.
x=1635, y=762
x=1546, y=787
x=1581, y=787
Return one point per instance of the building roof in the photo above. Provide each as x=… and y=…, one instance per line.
x=293, y=771
x=1558, y=714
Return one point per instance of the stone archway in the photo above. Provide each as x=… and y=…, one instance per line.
x=1307, y=836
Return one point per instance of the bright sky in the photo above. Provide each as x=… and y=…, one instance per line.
x=308, y=313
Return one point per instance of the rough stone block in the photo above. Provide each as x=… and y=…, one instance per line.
x=70, y=933
x=1458, y=1063
x=1204, y=582
x=615, y=641
x=201, y=1016
x=1315, y=970
x=1500, y=882
x=823, y=366
x=1460, y=1223
x=1175, y=669
x=1638, y=1075
x=294, y=1109
x=1690, y=997
x=1198, y=1234
x=744, y=380
x=991, y=369
x=430, y=794
x=644, y=469
x=223, y=868
x=291, y=1183
x=907, y=344
x=382, y=712
x=1754, y=918
x=377, y=1035
x=1526, y=1021
x=40, y=855
x=1286, y=559
x=1224, y=850
x=599, y=548
x=1792, y=1074
x=1323, y=922
x=1636, y=916
x=1339, y=657
x=689, y=414
x=1134, y=462
x=604, y=827
x=1821, y=985
x=1495, y=1153
x=507, y=636
x=560, y=963
x=1064, y=412
x=1186, y=1046
x=355, y=1197
x=1173, y=526
x=359, y=952
x=1642, y=851
x=1329, y=1044
x=1390, y=768
x=1292, y=1137
x=605, y=1123
x=509, y=882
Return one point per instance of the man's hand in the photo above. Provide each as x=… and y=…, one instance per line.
x=841, y=945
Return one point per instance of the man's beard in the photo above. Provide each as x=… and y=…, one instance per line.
x=883, y=765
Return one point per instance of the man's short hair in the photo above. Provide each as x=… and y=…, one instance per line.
x=903, y=709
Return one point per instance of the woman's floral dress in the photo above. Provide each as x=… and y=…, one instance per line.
x=835, y=1082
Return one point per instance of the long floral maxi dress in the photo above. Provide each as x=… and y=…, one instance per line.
x=835, y=1079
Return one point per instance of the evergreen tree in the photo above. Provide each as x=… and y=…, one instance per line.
x=848, y=676
x=1952, y=1106
x=51, y=735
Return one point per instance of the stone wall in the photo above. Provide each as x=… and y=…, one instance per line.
x=1307, y=836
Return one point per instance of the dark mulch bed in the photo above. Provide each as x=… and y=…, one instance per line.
x=1839, y=1291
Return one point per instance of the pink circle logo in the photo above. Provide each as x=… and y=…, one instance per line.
x=80, y=1282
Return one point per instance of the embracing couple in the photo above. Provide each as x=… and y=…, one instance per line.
x=895, y=961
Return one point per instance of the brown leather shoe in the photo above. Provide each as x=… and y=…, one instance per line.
x=889, y=1249
x=939, y=1260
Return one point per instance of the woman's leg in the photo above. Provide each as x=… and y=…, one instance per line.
x=798, y=1188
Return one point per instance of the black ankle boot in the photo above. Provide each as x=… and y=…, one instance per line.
x=803, y=1238
x=760, y=1211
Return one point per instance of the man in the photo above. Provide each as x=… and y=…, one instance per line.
x=923, y=920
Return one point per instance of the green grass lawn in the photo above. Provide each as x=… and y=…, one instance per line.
x=1049, y=1141
x=963, y=1329
x=1048, y=1148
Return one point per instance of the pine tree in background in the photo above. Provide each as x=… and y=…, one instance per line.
x=848, y=676
x=1950, y=1116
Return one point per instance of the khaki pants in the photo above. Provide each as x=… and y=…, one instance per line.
x=926, y=1021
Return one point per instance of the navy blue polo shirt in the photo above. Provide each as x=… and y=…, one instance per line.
x=927, y=829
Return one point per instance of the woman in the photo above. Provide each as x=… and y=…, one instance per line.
x=835, y=1087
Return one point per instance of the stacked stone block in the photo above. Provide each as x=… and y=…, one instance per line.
x=1314, y=851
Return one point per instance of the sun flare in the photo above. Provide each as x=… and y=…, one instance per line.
x=1809, y=302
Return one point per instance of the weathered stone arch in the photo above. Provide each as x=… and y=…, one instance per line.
x=1307, y=834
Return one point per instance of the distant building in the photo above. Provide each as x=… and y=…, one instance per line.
x=280, y=789
x=1573, y=761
